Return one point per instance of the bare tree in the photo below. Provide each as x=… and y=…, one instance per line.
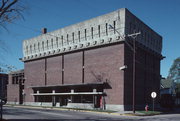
x=10, y=10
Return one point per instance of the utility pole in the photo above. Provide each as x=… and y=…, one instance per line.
x=1, y=98
x=133, y=36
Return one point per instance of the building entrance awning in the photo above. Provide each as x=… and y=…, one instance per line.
x=69, y=85
x=70, y=89
x=75, y=93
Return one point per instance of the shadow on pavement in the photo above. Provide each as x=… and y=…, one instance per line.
x=171, y=111
x=64, y=120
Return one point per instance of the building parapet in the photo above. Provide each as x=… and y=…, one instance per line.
x=91, y=33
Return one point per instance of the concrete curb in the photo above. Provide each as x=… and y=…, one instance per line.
x=63, y=109
x=79, y=110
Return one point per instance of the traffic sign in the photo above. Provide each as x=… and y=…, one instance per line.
x=153, y=94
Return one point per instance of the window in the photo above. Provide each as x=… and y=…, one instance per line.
x=43, y=45
x=17, y=80
x=85, y=34
x=62, y=40
x=99, y=31
x=23, y=81
x=20, y=81
x=38, y=46
x=34, y=47
x=79, y=35
x=73, y=37
x=67, y=39
x=47, y=43
x=52, y=43
x=92, y=32
x=114, y=24
x=57, y=42
x=106, y=28
x=13, y=80
x=31, y=49
x=26, y=49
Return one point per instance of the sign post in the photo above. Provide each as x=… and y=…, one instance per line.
x=153, y=95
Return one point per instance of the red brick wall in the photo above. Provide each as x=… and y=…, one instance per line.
x=100, y=64
x=34, y=76
x=54, y=70
x=147, y=76
x=28, y=96
x=73, y=68
x=35, y=73
x=13, y=93
x=104, y=63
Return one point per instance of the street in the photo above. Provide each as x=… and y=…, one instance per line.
x=32, y=114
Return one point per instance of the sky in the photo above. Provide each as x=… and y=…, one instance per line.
x=163, y=16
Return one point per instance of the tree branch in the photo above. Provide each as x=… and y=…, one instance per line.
x=3, y=10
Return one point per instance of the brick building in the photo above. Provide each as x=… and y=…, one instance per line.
x=3, y=86
x=15, y=87
x=90, y=64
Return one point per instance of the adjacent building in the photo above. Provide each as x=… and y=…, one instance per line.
x=90, y=64
x=15, y=87
x=3, y=86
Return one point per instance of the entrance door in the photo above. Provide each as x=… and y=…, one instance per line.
x=63, y=100
x=97, y=101
x=53, y=100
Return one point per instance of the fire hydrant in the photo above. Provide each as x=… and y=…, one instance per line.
x=146, y=108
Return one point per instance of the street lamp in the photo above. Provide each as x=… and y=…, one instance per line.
x=134, y=35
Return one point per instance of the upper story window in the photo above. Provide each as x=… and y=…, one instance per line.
x=99, y=31
x=57, y=42
x=26, y=49
x=85, y=32
x=106, y=28
x=43, y=45
x=79, y=36
x=52, y=43
x=31, y=49
x=13, y=80
x=34, y=47
x=114, y=24
x=73, y=37
x=92, y=32
x=38, y=46
x=47, y=44
x=17, y=80
x=67, y=39
x=62, y=40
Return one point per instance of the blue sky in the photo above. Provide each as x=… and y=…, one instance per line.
x=163, y=16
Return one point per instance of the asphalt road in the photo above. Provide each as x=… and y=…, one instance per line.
x=26, y=114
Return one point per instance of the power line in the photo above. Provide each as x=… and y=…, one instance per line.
x=35, y=30
x=39, y=32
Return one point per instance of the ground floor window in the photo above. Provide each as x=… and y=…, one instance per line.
x=65, y=99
